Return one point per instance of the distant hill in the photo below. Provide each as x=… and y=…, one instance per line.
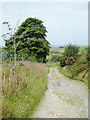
x=57, y=46
x=60, y=46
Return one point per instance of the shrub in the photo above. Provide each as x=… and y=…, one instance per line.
x=71, y=50
x=78, y=70
x=71, y=60
x=55, y=58
x=88, y=53
x=63, y=61
x=68, y=61
x=55, y=52
x=32, y=58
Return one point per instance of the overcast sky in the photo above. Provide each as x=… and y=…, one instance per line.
x=66, y=22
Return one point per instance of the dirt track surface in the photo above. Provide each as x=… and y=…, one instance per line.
x=64, y=98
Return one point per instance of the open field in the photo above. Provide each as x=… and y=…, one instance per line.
x=83, y=49
x=57, y=52
x=61, y=50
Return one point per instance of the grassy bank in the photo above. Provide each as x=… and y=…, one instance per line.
x=77, y=71
x=22, y=94
x=52, y=64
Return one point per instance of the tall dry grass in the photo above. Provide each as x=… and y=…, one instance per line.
x=23, y=92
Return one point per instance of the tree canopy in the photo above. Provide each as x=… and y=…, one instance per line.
x=30, y=40
x=71, y=50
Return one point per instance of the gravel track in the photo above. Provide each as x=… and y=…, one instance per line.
x=65, y=98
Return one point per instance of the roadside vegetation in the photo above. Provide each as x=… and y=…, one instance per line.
x=77, y=70
x=22, y=94
x=0, y=54
x=24, y=74
x=74, y=63
x=52, y=64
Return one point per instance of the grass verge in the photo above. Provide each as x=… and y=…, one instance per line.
x=22, y=94
x=77, y=71
x=52, y=64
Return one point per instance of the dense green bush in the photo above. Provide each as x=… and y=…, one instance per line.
x=29, y=38
x=88, y=53
x=71, y=50
x=70, y=53
x=55, y=58
x=63, y=61
x=68, y=61
x=32, y=58
x=55, y=52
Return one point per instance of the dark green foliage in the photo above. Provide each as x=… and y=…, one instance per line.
x=61, y=47
x=71, y=60
x=71, y=50
x=67, y=61
x=88, y=53
x=32, y=58
x=63, y=61
x=55, y=58
x=30, y=41
x=55, y=52
x=70, y=53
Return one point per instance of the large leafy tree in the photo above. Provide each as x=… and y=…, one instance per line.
x=30, y=40
x=71, y=50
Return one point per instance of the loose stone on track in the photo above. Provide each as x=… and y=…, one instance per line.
x=64, y=98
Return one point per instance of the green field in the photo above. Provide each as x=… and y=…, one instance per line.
x=82, y=49
x=60, y=51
